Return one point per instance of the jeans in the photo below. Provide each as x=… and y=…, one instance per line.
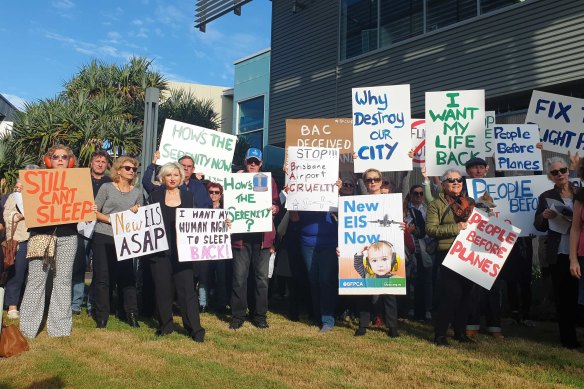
x=251, y=254
x=78, y=278
x=16, y=276
x=323, y=270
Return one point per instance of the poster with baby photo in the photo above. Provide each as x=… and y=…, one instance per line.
x=371, y=245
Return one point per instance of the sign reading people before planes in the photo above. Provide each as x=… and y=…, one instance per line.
x=138, y=234
x=419, y=141
x=202, y=234
x=371, y=245
x=248, y=200
x=515, y=147
x=381, y=128
x=56, y=196
x=311, y=176
x=455, y=129
x=479, y=251
x=560, y=120
x=212, y=151
x=512, y=199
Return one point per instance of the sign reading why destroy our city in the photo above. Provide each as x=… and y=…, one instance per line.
x=515, y=147
x=56, y=196
x=560, y=120
x=371, y=245
x=381, y=128
x=455, y=129
x=479, y=251
x=202, y=234
x=248, y=201
x=138, y=234
x=312, y=175
x=513, y=199
x=211, y=151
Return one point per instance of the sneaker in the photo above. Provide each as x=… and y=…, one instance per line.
x=235, y=324
x=463, y=338
x=428, y=315
x=260, y=322
x=360, y=331
x=76, y=312
x=326, y=328
x=440, y=341
x=13, y=314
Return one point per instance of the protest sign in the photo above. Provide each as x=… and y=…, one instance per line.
x=560, y=120
x=212, y=151
x=515, y=147
x=138, y=234
x=455, y=128
x=312, y=175
x=371, y=245
x=419, y=141
x=381, y=128
x=515, y=198
x=202, y=234
x=248, y=199
x=489, y=124
x=56, y=196
x=330, y=133
x=479, y=252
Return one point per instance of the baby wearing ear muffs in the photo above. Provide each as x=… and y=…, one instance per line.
x=381, y=261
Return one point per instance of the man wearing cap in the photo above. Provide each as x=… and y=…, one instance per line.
x=252, y=249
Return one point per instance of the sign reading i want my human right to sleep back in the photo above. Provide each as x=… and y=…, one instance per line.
x=202, y=234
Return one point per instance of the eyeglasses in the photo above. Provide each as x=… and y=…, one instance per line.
x=453, y=180
x=372, y=180
x=128, y=168
x=56, y=157
x=416, y=193
x=214, y=192
x=348, y=185
x=557, y=172
x=253, y=161
x=385, y=183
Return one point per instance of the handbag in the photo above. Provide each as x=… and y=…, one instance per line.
x=41, y=246
x=11, y=341
x=10, y=245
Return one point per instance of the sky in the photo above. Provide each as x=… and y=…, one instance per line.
x=47, y=42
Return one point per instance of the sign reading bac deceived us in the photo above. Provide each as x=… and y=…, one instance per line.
x=202, y=234
x=329, y=133
x=515, y=147
x=515, y=198
x=560, y=119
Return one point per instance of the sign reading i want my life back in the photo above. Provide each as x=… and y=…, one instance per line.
x=455, y=129
x=371, y=245
x=515, y=199
x=202, y=234
x=479, y=252
x=211, y=151
x=560, y=120
x=248, y=200
x=381, y=128
x=515, y=147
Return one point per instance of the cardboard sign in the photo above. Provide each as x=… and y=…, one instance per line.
x=381, y=128
x=479, y=251
x=560, y=120
x=202, y=234
x=419, y=142
x=516, y=147
x=56, y=196
x=248, y=199
x=490, y=118
x=371, y=245
x=515, y=198
x=455, y=128
x=328, y=133
x=212, y=151
x=138, y=234
x=312, y=175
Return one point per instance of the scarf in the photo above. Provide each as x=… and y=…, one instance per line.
x=461, y=206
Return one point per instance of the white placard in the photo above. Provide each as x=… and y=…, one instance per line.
x=516, y=198
x=138, y=234
x=311, y=175
x=419, y=142
x=490, y=117
x=86, y=228
x=212, y=151
x=248, y=199
x=381, y=128
x=479, y=251
x=455, y=128
x=515, y=147
x=202, y=234
x=560, y=120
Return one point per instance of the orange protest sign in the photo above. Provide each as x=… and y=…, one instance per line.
x=56, y=196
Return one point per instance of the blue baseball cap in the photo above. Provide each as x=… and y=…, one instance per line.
x=253, y=153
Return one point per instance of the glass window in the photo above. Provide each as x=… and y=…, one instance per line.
x=253, y=139
x=442, y=13
x=401, y=19
x=251, y=115
x=491, y=5
x=358, y=27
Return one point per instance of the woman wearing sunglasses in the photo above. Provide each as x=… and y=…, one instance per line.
x=120, y=195
x=557, y=251
x=446, y=217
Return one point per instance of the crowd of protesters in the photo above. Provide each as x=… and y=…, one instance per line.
x=304, y=245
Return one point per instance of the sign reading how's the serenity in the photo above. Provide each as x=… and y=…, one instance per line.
x=248, y=200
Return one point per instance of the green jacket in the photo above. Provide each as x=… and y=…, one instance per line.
x=440, y=223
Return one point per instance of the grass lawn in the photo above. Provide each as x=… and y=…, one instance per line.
x=290, y=355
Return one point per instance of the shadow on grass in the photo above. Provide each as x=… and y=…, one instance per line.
x=53, y=382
